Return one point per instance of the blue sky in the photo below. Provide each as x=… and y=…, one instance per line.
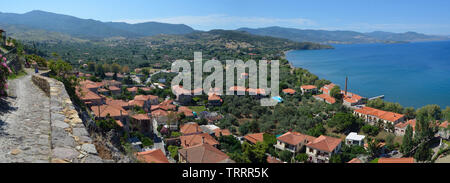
x=426, y=16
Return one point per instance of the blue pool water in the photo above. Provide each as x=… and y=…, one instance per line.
x=412, y=74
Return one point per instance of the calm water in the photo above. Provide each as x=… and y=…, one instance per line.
x=414, y=74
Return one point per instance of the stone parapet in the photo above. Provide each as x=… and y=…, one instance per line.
x=70, y=141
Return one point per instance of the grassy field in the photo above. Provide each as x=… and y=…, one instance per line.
x=197, y=109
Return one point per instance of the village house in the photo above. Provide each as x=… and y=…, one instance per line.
x=203, y=153
x=327, y=88
x=214, y=100
x=293, y=141
x=115, y=90
x=444, y=131
x=222, y=132
x=117, y=113
x=148, y=100
x=195, y=139
x=133, y=90
x=372, y=116
x=289, y=91
x=188, y=113
x=183, y=96
x=308, y=89
x=190, y=129
x=322, y=148
x=400, y=128
x=325, y=98
x=254, y=138
x=141, y=123
x=351, y=99
x=152, y=156
x=355, y=139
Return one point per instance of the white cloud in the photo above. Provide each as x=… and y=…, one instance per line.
x=227, y=22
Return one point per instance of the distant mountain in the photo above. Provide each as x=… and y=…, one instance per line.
x=342, y=37
x=88, y=28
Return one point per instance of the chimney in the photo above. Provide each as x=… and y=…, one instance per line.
x=203, y=140
x=346, y=85
x=185, y=143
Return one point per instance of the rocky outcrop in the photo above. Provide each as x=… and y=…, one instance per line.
x=70, y=141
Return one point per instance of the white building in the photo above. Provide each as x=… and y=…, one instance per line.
x=355, y=139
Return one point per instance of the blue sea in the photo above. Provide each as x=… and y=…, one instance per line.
x=412, y=74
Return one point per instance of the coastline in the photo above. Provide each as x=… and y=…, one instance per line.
x=392, y=95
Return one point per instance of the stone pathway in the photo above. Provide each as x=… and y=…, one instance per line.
x=25, y=129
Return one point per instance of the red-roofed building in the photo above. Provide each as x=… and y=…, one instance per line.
x=115, y=90
x=322, y=148
x=396, y=160
x=372, y=115
x=152, y=156
x=289, y=91
x=254, y=138
x=271, y=159
x=293, y=141
x=203, y=153
x=196, y=139
x=190, y=129
x=141, y=123
x=327, y=88
x=186, y=111
x=222, y=132
x=133, y=90
x=325, y=98
x=400, y=128
x=214, y=100
x=308, y=89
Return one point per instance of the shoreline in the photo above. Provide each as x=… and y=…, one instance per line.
x=404, y=106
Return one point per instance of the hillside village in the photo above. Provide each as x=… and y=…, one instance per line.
x=180, y=134
x=158, y=123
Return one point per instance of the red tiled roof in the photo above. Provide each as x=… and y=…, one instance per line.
x=133, y=89
x=324, y=143
x=186, y=111
x=411, y=122
x=113, y=111
x=255, y=137
x=309, y=87
x=214, y=97
x=190, y=128
x=195, y=139
x=220, y=132
x=327, y=98
x=204, y=153
x=152, y=156
x=119, y=103
x=141, y=117
x=159, y=112
x=385, y=115
x=114, y=88
x=295, y=138
x=258, y=91
x=138, y=103
x=289, y=91
x=396, y=160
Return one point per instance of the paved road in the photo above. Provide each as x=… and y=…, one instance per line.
x=25, y=124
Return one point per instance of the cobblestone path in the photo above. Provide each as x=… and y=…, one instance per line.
x=25, y=124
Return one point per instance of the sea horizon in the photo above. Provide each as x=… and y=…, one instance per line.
x=413, y=74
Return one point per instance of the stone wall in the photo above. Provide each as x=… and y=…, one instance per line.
x=70, y=141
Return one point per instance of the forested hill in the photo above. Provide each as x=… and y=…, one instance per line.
x=84, y=28
x=161, y=50
x=342, y=37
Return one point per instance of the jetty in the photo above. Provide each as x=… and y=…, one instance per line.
x=377, y=97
